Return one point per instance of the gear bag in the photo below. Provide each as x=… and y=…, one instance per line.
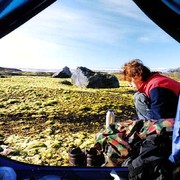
x=151, y=161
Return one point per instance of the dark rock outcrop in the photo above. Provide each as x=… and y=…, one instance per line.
x=84, y=77
x=64, y=73
x=9, y=69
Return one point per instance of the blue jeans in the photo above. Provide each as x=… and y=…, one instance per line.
x=142, y=105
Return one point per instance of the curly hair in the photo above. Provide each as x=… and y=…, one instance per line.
x=133, y=69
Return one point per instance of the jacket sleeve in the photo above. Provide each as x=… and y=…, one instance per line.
x=163, y=103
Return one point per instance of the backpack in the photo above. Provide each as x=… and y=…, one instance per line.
x=150, y=160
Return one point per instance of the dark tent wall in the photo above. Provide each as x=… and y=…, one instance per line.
x=13, y=13
x=165, y=13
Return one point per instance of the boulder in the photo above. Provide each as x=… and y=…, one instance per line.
x=84, y=77
x=64, y=73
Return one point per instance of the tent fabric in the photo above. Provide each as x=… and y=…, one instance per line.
x=14, y=13
x=3, y=5
x=11, y=6
x=164, y=13
x=173, y=4
x=175, y=156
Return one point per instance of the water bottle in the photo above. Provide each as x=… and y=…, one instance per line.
x=110, y=118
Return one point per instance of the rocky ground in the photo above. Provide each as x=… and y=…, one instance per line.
x=46, y=142
x=41, y=119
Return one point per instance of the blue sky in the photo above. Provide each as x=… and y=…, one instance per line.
x=97, y=34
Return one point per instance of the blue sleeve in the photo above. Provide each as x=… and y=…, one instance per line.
x=163, y=103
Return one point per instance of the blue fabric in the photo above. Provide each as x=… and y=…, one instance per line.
x=12, y=6
x=142, y=103
x=173, y=4
x=51, y=177
x=175, y=156
x=7, y=173
x=163, y=103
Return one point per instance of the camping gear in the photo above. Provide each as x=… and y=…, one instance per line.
x=151, y=162
x=120, y=138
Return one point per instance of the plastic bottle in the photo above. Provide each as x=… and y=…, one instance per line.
x=110, y=118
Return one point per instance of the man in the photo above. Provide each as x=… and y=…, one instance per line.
x=157, y=95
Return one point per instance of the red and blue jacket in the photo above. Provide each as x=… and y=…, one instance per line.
x=163, y=94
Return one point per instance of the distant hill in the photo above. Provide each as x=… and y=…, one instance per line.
x=9, y=69
x=4, y=71
x=174, y=70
